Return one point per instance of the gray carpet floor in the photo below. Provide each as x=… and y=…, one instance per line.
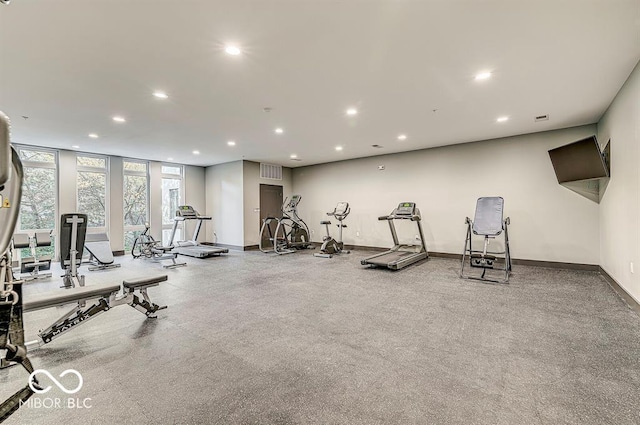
x=252, y=338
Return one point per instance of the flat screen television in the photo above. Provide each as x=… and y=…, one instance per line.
x=581, y=160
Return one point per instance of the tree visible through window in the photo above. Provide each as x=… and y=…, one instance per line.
x=38, y=205
x=92, y=189
x=39, y=194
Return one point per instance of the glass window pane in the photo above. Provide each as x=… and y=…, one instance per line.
x=92, y=197
x=129, y=238
x=171, y=170
x=89, y=161
x=135, y=166
x=37, y=156
x=135, y=200
x=170, y=199
x=38, y=206
x=166, y=235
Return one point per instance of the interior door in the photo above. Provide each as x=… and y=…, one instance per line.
x=270, y=205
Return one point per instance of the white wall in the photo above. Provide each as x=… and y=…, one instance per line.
x=549, y=222
x=116, y=204
x=67, y=189
x=619, y=207
x=194, y=195
x=224, y=202
x=155, y=200
x=251, y=196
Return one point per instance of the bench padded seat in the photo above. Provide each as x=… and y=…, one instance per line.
x=143, y=281
x=66, y=296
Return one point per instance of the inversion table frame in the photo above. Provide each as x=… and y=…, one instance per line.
x=489, y=223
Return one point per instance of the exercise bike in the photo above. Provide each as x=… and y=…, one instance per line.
x=147, y=247
x=291, y=233
x=329, y=245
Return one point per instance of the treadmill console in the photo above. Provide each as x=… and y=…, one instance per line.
x=406, y=208
x=186, y=211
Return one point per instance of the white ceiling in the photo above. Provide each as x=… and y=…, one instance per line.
x=70, y=65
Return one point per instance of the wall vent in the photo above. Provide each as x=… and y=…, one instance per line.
x=270, y=171
x=541, y=118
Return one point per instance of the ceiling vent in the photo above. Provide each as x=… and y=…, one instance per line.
x=541, y=118
x=270, y=171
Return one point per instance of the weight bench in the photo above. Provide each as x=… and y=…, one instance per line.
x=30, y=267
x=100, y=254
x=488, y=223
x=90, y=302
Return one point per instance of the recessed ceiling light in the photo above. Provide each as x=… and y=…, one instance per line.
x=75, y=147
x=232, y=50
x=231, y=143
x=93, y=135
x=160, y=95
x=196, y=152
x=119, y=119
x=279, y=130
x=502, y=119
x=338, y=148
x=352, y=111
x=293, y=156
x=483, y=76
x=402, y=137
x=169, y=159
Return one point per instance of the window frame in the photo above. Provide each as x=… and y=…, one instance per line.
x=146, y=174
x=182, y=194
x=51, y=166
x=106, y=171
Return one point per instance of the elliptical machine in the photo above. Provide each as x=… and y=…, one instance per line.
x=329, y=245
x=291, y=233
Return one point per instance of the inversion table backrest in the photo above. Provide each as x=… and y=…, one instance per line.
x=488, y=219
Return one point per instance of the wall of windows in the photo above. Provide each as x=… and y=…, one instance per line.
x=118, y=195
x=91, y=186
x=135, y=199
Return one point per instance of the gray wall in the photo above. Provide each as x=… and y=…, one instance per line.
x=549, y=222
x=224, y=202
x=620, y=205
x=251, y=195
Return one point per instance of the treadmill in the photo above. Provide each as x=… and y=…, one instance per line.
x=400, y=256
x=192, y=248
